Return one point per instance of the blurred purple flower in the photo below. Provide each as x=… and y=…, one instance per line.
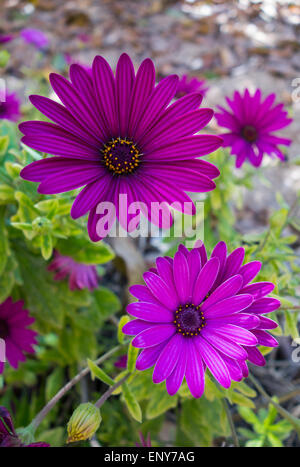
x=35, y=37
x=121, y=362
x=81, y=275
x=119, y=136
x=8, y=435
x=14, y=320
x=187, y=85
x=196, y=313
x=145, y=443
x=10, y=107
x=4, y=38
x=252, y=122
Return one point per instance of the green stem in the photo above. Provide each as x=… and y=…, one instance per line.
x=42, y=414
x=284, y=413
x=231, y=423
x=109, y=392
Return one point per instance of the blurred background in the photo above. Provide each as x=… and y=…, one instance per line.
x=232, y=44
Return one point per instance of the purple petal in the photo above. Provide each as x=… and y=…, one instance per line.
x=194, y=372
x=249, y=271
x=168, y=358
x=136, y=326
x=258, y=289
x=155, y=335
x=160, y=290
x=150, y=312
x=148, y=357
x=224, y=345
x=264, y=306
x=228, y=306
x=227, y=289
x=265, y=338
x=214, y=362
x=181, y=276
x=235, y=333
x=205, y=280
x=175, y=379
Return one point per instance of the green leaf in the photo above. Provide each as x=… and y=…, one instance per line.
x=132, y=356
x=291, y=324
x=132, y=404
x=54, y=383
x=46, y=246
x=4, y=247
x=124, y=319
x=160, y=402
x=83, y=251
x=98, y=373
x=4, y=58
x=107, y=302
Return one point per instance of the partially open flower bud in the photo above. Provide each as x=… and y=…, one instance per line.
x=84, y=422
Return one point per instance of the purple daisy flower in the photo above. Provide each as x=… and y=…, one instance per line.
x=119, y=136
x=13, y=330
x=196, y=313
x=252, y=122
x=10, y=107
x=8, y=435
x=81, y=276
x=35, y=37
x=188, y=85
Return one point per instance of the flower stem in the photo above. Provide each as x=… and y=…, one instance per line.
x=231, y=424
x=42, y=414
x=109, y=392
x=284, y=413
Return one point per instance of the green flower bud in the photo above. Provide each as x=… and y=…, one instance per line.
x=84, y=422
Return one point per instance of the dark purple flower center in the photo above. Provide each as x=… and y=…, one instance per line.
x=249, y=133
x=189, y=320
x=4, y=329
x=121, y=156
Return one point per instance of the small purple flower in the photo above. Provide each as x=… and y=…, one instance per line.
x=145, y=443
x=81, y=276
x=14, y=320
x=35, y=37
x=8, y=435
x=10, y=107
x=4, y=38
x=121, y=362
x=196, y=313
x=118, y=135
x=187, y=85
x=252, y=122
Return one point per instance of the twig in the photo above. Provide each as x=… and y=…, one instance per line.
x=42, y=414
x=109, y=392
x=231, y=424
x=284, y=413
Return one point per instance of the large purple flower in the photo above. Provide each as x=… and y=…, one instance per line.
x=252, y=122
x=119, y=135
x=13, y=330
x=196, y=313
x=186, y=85
x=81, y=275
x=10, y=107
x=8, y=435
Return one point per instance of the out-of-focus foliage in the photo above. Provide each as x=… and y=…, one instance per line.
x=266, y=431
